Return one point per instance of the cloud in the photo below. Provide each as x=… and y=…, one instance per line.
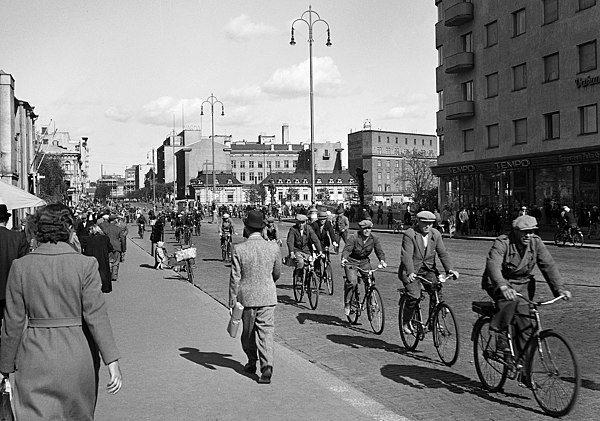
x=242, y=28
x=246, y=94
x=119, y=114
x=409, y=111
x=294, y=81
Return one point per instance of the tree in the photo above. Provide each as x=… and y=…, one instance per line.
x=53, y=188
x=253, y=194
x=323, y=194
x=292, y=194
x=420, y=180
x=102, y=193
x=360, y=177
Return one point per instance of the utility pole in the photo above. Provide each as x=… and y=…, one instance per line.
x=153, y=183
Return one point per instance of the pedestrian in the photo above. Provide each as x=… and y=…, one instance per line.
x=594, y=219
x=379, y=215
x=98, y=245
x=160, y=255
x=390, y=218
x=463, y=218
x=255, y=267
x=341, y=226
x=157, y=233
x=55, y=292
x=118, y=240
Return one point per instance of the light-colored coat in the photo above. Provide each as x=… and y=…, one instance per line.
x=53, y=290
x=255, y=266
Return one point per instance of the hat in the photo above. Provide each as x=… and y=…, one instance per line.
x=270, y=219
x=160, y=244
x=366, y=223
x=322, y=215
x=4, y=212
x=254, y=219
x=301, y=218
x=105, y=216
x=426, y=216
x=225, y=215
x=524, y=222
x=524, y=207
x=339, y=210
x=113, y=218
x=566, y=208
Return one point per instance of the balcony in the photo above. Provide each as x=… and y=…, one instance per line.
x=459, y=110
x=460, y=62
x=459, y=14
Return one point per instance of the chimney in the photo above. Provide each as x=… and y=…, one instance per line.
x=285, y=133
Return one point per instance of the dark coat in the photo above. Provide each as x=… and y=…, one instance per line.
x=157, y=231
x=414, y=255
x=302, y=241
x=13, y=244
x=327, y=235
x=116, y=234
x=99, y=246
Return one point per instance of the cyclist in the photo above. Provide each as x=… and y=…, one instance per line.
x=141, y=221
x=270, y=231
x=508, y=269
x=420, y=246
x=567, y=220
x=300, y=241
x=325, y=233
x=178, y=227
x=226, y=228
x=356, y=253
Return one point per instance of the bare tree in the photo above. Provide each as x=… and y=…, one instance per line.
x=419, y=178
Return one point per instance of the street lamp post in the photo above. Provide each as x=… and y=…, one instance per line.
x=212, y=100
x=310, y=22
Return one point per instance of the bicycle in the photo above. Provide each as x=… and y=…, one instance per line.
x=178, y=235
x=326, y=275
x=574, y=236
x=187, y=235
x=440, y=321
x=226, y=247
x=397, y=226
x=141, y=229
x=546, y=364
x=184, y=259
x=307, y=283
x=197, y=228
x=372, y=298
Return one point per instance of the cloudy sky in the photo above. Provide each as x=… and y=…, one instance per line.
x=122, y=71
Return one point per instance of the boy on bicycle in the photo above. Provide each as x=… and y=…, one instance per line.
x=356, y=252
x=226, y=228
x=300, y=241
x=325, y=233
x=420, y=246
x=508, y=269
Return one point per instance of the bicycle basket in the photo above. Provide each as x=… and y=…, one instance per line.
x=189, y=253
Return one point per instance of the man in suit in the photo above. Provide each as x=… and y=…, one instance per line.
x=13, y=244
x=300, y=241
x=324, y=231
x=118, y=239
x=420, y=245
x=255, y=266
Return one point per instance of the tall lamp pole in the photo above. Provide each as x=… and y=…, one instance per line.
x=212, y=100
x=307, y=17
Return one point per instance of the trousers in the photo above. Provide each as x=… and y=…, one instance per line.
x=257, y=334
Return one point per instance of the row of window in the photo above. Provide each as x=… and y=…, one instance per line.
x=405, y=152
x=259, y=164
x=588, y=124
x=405, y=140
x=259, y=177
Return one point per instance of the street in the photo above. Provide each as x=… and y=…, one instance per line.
x=416, y=384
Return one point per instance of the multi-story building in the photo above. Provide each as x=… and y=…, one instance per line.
x=518, y=86
x=385, y=155
x=131, y=180
x=227, y=189
x=115, y=182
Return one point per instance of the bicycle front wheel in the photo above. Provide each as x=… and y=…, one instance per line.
x=312, y=289
x=577, y=240
x=409, y=324
x=490, y=368
x=298, y=288
x=554, y=374
x=224, y=252
x=329, y=279
x=445, y=334
x=354, y=306
x=375, y=312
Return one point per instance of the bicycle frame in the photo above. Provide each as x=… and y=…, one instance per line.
x=436, y=287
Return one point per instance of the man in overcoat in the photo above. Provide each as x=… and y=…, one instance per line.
x=255, y=267
x=300, y=241
x=118, y=239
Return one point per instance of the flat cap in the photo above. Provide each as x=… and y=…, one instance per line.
x=301, y=217
x=366, y=223
x=426, y=216
x=270, y=219
x=524, y=222
x=113, y=217
x=322, y=215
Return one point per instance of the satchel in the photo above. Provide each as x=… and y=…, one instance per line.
x=6, y=413
x=234, y=320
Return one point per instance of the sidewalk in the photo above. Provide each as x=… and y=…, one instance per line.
x=179, y=363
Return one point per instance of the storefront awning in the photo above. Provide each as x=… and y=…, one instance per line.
x=16, y=198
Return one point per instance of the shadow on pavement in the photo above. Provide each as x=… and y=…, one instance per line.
x=212, y=360
x=324, y=319
x=147, y=266
x=287, y=300
x=432, y=378
x=590, y=384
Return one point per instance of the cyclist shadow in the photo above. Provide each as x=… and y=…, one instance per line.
x=420, y=378
x=212, y=360
x=147, y=266
x=324, y=319
x=289, y=301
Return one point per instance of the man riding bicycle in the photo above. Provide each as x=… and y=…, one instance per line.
x=508, y=269
x=356, y=253
x=270, y=232
x=420, y=245
x=141, y=221
x=567, y=221
x=300, y=241
x=226, y=229
x=325, y=233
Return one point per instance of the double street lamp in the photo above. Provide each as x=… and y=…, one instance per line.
x=307, y=17
x=212, y=100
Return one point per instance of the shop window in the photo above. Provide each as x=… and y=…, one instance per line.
x=469, y=140
x=520, y=127
x=550, y=11
x=519, y=77
x=551, y=67
x=493, y=136
x=587, y=56
x=519, y=22
x=588, y=116
x=552, y=125
x=491, y=34
x=491, y=82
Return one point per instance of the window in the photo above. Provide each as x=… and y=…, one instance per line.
x=492, y=136
x=277, y=164
x=491, y=33
x=250, y=164
x=491, y=82
x=467, y=89
x=589, y=119
x=259, y=164
x=550, y=11
x=583, y=4
x=379, y=139
x=268, y=164
x=387, y=151
x=441, y=139
x=378, y=150
x=587, y=56
x=242, y=164
x=260, y=176
x=388, y=163
x=388, y=139
x=251, y=176
x=520, y=131
x=518, y=22
x=379, y=163
x=286, y=164
x=467, y=42
x=233, y=164
x=551, y=67
x=294, y=163
x=469, y=139
x=440, y=100
x=552, y=125
x=519, y=77
x=242, y=176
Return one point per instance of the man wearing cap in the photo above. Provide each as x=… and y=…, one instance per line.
x=13, y=244
x=508, y=269
x=255, y=267
x=324, y=230
x=341, y=225
x=118, y=239
x=226, y=228
x=568, y=222
x=301, y=242
x=271, y=232
x=420, y=246
x=356, y=253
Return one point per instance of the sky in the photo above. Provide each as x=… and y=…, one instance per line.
x=124, y=73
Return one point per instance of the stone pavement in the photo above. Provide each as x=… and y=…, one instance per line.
x=179, y=363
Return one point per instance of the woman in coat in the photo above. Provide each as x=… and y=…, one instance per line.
x=55, y=292
x=98, y=245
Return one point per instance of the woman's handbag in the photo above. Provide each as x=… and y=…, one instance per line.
x=6, y=413
x=235, y=320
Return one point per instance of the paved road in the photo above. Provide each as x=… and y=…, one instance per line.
x=416, y=384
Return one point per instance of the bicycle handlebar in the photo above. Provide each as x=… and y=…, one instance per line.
x=369, y=272
x=543, y=303
x=441, y=279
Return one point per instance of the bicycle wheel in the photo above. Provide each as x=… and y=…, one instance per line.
x=554, y=374
x=190, y=271
x=490, y=368
x=445, y=334
x=224, y=252
x=558, y=238
x=312, y=289
x=298, y=288
x=577, y=240
x=375, y=312
x=409, y=339
x=328, y=279
x=354, y=306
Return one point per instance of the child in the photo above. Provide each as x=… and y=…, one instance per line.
x=160, y=255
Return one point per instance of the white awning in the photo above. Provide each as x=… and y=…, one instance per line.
x=16, y=198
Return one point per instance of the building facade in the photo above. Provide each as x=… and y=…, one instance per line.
x=227, y=189
x=518, y=85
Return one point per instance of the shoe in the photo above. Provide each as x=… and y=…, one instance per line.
x=267, y=372
x=502, y=342
x=407, y=328
x=347, y=309
x=250, y=368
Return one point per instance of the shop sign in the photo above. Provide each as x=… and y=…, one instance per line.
x=585, y=156
x=583, y=82
x=513, y=164
x=462, y=169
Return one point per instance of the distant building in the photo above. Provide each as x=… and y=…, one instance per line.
x=115, y=182
x=228, y=189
